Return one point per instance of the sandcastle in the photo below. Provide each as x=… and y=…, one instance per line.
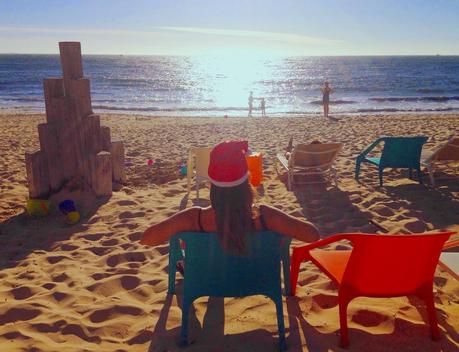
x=73, y=144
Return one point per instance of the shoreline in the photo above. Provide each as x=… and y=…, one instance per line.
x=22, y=111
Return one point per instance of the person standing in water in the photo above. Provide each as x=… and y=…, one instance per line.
x=326, y=90
x=263, y=107
x=250, y=104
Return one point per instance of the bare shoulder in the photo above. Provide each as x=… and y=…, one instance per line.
x=185, y=220
x=288, y=225
x=270, y=211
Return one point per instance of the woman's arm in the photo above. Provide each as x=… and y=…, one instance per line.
x=186, y=220
x=278, y=221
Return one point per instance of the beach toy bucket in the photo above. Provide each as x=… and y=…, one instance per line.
x=67, y=206
x=73, y=217
x=39, y=207
x=255, y=166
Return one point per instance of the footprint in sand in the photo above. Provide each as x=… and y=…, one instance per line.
x=129, y=282
x=135, y=236
x=325, y=301
x=110, y=242
x=60, y=278
x=130, y=214
x=56, y=259
x=126, y=226
x=68, y=247
x=18, y=314
x=49, y=285
x=102, y=315
x=125, y=203
x=59, y=296
x=14, y=335
x=99, y=251
x=368, y=318
x=23, y=292
x=99, y=276
x=77, y=330
x=46, y=328
x=95, y=236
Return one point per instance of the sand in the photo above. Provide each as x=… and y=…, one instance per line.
x=93, y=287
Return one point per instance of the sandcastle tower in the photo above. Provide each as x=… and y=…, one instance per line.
x=73, y=144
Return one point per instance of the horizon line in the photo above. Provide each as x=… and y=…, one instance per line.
x=248, y=54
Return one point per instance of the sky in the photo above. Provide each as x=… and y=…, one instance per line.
x=217, y=27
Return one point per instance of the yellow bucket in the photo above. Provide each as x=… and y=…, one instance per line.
x=38, y=207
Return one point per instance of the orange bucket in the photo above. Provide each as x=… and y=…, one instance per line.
x=255, y=166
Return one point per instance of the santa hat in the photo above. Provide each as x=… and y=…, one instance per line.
x=228, y=166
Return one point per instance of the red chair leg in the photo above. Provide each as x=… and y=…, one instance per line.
x=343, y=303
x=427, y=296
x=294, y=271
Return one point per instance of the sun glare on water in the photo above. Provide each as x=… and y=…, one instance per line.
x=229, y=79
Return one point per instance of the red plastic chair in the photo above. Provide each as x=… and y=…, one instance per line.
x=377, y=266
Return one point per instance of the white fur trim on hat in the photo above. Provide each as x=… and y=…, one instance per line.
x=230, y=184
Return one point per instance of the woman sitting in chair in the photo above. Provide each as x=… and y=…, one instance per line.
x=232, y=213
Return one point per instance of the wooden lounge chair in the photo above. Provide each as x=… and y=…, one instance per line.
x=211, y=271
x=377, y=266
x=442, y=156
x=398, y=152
x=197, y=165
x=309, y=160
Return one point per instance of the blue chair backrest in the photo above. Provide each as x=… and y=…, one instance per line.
x=402, y=151
x=210, y=270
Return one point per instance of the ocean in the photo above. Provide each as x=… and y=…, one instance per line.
x=218, y=86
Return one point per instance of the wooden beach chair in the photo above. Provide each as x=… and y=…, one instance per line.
x=377, y=266
x=197, y=165
x=443, y=156
x=211, y=271
x=309, y=161
x=398, y=152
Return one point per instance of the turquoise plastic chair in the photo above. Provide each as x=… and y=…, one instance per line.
x=398, y=152
x=211, y=271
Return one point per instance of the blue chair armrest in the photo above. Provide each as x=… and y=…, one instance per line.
x=368, y=149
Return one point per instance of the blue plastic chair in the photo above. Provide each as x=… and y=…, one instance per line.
x=398, y=152
x=211, y=271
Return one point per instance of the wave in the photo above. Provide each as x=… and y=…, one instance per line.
x=158, y=109
x=334, y=102
x=373, y=110
x=435, y=99
x=23, y=99
x=430, y=90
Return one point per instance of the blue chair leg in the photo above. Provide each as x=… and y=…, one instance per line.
x=280, y=323
x=175, y=254
x=185, y=314
x=172, y=272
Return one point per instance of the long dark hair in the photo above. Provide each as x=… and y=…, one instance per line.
x=234, y=216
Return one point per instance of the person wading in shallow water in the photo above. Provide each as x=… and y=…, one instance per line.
x=326, y=90
x=232, y=213
x=250, y=101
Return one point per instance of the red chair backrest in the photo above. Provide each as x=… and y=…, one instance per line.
x=392, y=265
